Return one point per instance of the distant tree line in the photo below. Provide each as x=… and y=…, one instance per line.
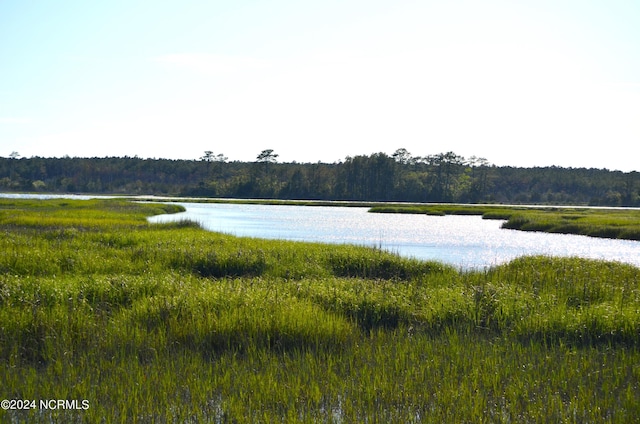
x=443, y=177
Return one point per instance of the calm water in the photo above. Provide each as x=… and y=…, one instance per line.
x=463, y=241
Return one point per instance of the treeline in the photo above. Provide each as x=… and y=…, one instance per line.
x=444, y=177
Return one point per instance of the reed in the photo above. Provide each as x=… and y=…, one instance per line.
x=171, y=323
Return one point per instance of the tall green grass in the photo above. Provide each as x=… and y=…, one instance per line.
x=170, y=323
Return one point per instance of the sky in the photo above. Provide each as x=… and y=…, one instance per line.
x=521, y=82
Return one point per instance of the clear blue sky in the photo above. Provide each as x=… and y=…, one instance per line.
x=521, y=83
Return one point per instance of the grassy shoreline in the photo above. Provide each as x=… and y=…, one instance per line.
x=593, y=222
x=615, y=223
x=168, y=322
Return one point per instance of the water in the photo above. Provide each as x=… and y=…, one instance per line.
x=464, y=241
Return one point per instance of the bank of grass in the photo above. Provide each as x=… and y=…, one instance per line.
x=170, y=323
x=607, y=223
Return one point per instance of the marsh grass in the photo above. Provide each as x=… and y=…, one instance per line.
x=170, y=323
x=606, y=223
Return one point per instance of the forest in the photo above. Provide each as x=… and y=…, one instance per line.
x=399, y=177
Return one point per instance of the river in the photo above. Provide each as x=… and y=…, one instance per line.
x=467, y=242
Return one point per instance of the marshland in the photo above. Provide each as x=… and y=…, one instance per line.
x=172, y=323
x=459, y=237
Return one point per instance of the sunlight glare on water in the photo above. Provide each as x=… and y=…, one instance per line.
x=463, y=241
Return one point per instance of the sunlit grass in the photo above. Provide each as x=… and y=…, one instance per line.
x=606, y=223
x=170, y=323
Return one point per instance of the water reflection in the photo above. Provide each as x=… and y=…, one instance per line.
x=464, y=241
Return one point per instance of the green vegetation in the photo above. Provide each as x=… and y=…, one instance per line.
x=170, y=323
x=607, y=223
